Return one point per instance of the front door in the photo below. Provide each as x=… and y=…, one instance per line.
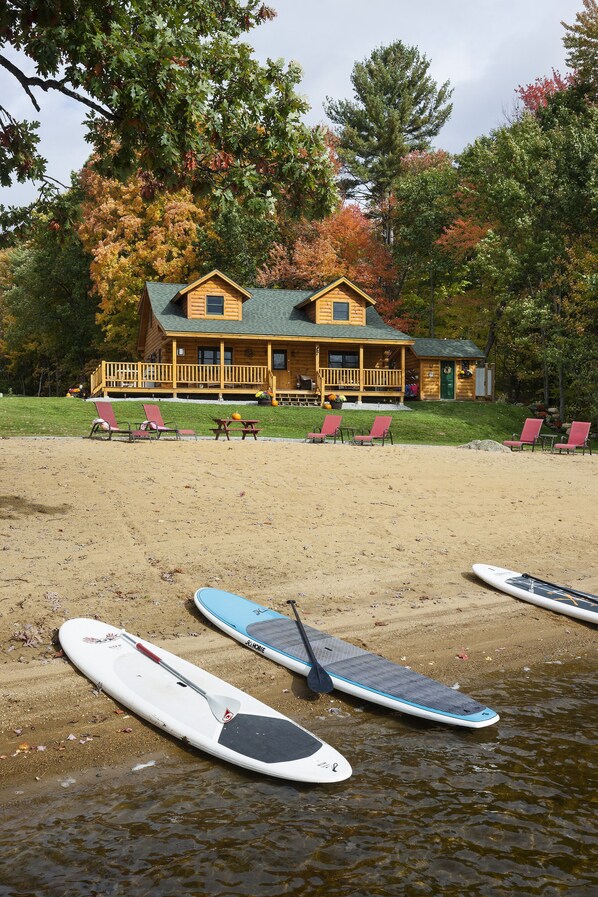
x=447, y=379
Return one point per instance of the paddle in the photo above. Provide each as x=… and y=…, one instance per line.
x=317, y=679
x=593, y=599
x=224, y=709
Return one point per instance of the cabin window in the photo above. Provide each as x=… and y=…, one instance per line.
x=212, y=356
x=343, y=360
x=279, y=360
x=214, y=305
x=340, y=311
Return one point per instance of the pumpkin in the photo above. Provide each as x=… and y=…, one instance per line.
x=236, y=416
x=327, y=406
x=274, y=402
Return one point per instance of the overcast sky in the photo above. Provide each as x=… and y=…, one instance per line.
x=485, y=48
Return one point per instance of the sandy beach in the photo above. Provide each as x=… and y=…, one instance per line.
x=375, y=544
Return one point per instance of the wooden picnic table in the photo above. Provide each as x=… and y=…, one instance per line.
x=226, y=425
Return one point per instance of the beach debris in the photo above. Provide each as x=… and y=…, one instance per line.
x=126, y=729
x=29, y=635
x=66, y=783
x=462, y=655
x=54, y=599
x=143, y=765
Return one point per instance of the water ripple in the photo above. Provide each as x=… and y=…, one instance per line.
x=429, y=811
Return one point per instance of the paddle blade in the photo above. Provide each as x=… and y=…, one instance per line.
x=318, y=680
x=223, y=709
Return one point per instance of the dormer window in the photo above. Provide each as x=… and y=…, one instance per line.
x=340, y=311
x=215, y=305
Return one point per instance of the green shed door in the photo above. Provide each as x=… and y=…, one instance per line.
x=447, y=379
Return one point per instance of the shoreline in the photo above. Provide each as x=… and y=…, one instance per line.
x=376, y=545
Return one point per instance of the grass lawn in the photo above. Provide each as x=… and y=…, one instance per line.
x=433, y=423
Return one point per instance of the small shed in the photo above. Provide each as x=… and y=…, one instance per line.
x=442, y=369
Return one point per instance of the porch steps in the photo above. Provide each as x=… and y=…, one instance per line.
x=291, y=398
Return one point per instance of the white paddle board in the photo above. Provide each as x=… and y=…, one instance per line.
x=255, y=736
x=352, y=670
x=572, y=603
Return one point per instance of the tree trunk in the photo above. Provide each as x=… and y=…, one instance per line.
x=432, y=301
x=561, y=379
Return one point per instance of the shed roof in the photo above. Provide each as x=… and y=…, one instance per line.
x=268, y=312
x=445, y=348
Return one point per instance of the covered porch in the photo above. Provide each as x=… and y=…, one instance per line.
x=143, y=378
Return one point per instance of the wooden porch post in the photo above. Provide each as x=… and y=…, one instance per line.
x=221, y=365
x=103, y=381
x=174, y=356
x=269, y=364
x=403, y=381
x=361, y=375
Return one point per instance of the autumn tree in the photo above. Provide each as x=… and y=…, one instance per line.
x=170, y=90
x=397, y=108
x=344, y=244
x=130, y=240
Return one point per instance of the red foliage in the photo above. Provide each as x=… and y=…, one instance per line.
x=535, y=96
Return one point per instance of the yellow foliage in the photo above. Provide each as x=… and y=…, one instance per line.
x=132, y=240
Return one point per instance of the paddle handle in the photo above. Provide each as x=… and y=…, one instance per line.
x=163, y=663
x=306, y=641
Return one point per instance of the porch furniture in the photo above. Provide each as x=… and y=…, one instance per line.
x=330, y=429
x=548, y=440
x=530, y=435
x=349, y=432
x=579, y=437
x=380, y=430
x=105, y=425
x=155, y=422
x=305, y=383
x=226, y=425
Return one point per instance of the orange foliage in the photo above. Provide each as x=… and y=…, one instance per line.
x=132, y=240
x=344, y=244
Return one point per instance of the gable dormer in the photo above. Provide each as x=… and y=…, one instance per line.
x=341, y=302
x=213, y=297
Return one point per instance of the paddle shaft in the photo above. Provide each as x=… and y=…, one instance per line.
x=214, y=701
x=320, y=680
x=593, y=599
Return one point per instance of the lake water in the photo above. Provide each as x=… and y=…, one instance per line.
x=430, y=811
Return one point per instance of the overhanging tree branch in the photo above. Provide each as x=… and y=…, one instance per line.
x=27, y=83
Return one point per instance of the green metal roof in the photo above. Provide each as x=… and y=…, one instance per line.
x=266, y=313
x=445, y=348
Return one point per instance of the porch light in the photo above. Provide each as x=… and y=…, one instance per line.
x=180, y=351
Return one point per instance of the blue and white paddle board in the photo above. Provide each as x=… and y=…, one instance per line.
x=572, y=603
x=256, y=737
x=352, y=670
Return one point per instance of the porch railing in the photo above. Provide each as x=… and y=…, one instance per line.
x=146, y=375
x=149, y=375
x=365, y=379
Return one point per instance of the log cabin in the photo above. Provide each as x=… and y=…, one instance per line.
x=215, y=339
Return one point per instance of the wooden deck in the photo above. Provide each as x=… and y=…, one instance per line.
x=141, y=378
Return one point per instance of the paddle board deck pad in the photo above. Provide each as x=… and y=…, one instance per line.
x=352, y=670
x=257, y=737
x=581, y=606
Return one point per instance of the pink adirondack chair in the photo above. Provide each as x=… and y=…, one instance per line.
x=380, y=430
x=578, y=438
x=105, y=425
x=530, y=435
x=155, y=422
x=330, y=429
